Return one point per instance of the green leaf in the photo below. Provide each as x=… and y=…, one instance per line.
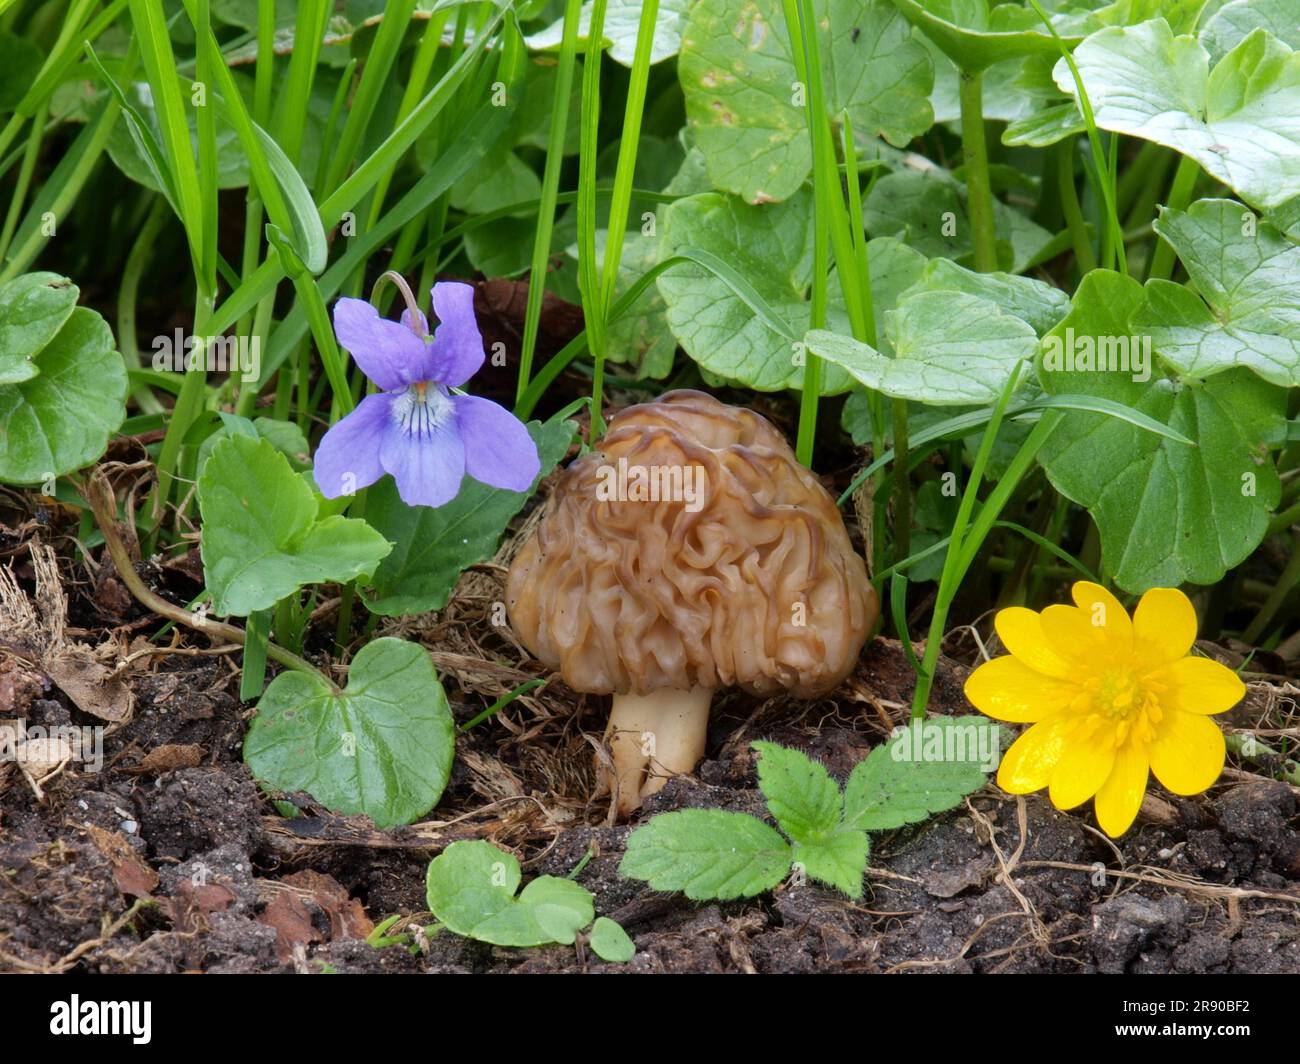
x=974, y=37
x=707, y=854
x=839, y=860
x=20, y=63
x=1041, y=305
x=61, y=419
x=949, y=349
x=923, y=770
x=928, y=210
x=33, y=308
x=800, y=792
x=1167, y=513
x=1240, y=121
x=770, y=248
x=622, y=17
x=382, y=747
x=284, y=436
x=432, y=547
x=470, y=888
x=263, y=537
x=1248, y=310
x=1234, y=22
x=737, y=75
x=610, y=942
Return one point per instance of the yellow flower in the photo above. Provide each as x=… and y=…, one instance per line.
x=1108, y=698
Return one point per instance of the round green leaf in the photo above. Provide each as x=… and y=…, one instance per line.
x=975, y=37
x=610, y=942
x=61, y=419
x=33, y=308
x=747, y=114
x=382, y=746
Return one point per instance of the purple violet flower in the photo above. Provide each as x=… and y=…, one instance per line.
x=415, y=428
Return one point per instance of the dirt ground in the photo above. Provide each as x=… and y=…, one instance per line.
x=170, y=859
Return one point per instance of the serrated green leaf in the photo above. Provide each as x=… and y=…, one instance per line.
x=922, y=771
x=433, y=546
x=1167, y=513
x=1240, y=121
x=1248, y=310
x=382, y=747
x=470, y=888
x=33, y=308
x=263, y=537
x=737, y=75
x=839, y=860
x=61, y=419
x=800, y=792
x=610, y=942
x=707, y=854
x=950, y=349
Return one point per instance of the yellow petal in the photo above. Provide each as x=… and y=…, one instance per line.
x=1120, y=796
x=1105, y=610
x=1021, y=632
x=1083, y=768
x=1028, y=765
x=1199, y=686
x=1187, y=752
x=1008, y=689
x=1073, y=635
x=1164, y=625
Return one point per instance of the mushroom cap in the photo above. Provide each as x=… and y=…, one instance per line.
x=751, y=582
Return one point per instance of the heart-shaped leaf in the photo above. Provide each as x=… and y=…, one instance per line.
x=743, y=104
x=383, y=746
x=263, y=537
x=470, y=887
x=950, y=348
x=1167, y=513
x=1247, y=312
x=1240, y=121
x=60, y=419
x=33, y=308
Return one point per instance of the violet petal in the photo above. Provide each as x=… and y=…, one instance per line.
x=348, y=456
x=498, y=449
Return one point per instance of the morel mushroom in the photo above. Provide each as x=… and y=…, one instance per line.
x=689, y=552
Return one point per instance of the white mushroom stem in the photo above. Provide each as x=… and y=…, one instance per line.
x=653, y=737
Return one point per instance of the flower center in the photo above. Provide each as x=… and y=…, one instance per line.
x=1123, y=702
x=422, y=409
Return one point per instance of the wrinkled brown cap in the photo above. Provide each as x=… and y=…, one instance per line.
x=758, y=588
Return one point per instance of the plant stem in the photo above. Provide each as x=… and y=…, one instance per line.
x=1285, y=582
x=975, y=153
x=1180, y=195
x=902, y=483
x=99, y=494
x=1084, y=258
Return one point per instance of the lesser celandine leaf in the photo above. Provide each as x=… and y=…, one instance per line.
x=431, y=547
x=926, y=769
x=33, y=308
x=975, y=37
x=1038, y=304
x=1235, y=21
x=382, y=746
x=263, y=537
x=470, y=888
x=1167, y=513
x=927, y=209
x=771, y=247
x=1247, y=312
x=744, y=108
x=950, y=348
x=60, y=419
x=1240, y=121
x=707, y=853
x=622, y=18
x=800, y=792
